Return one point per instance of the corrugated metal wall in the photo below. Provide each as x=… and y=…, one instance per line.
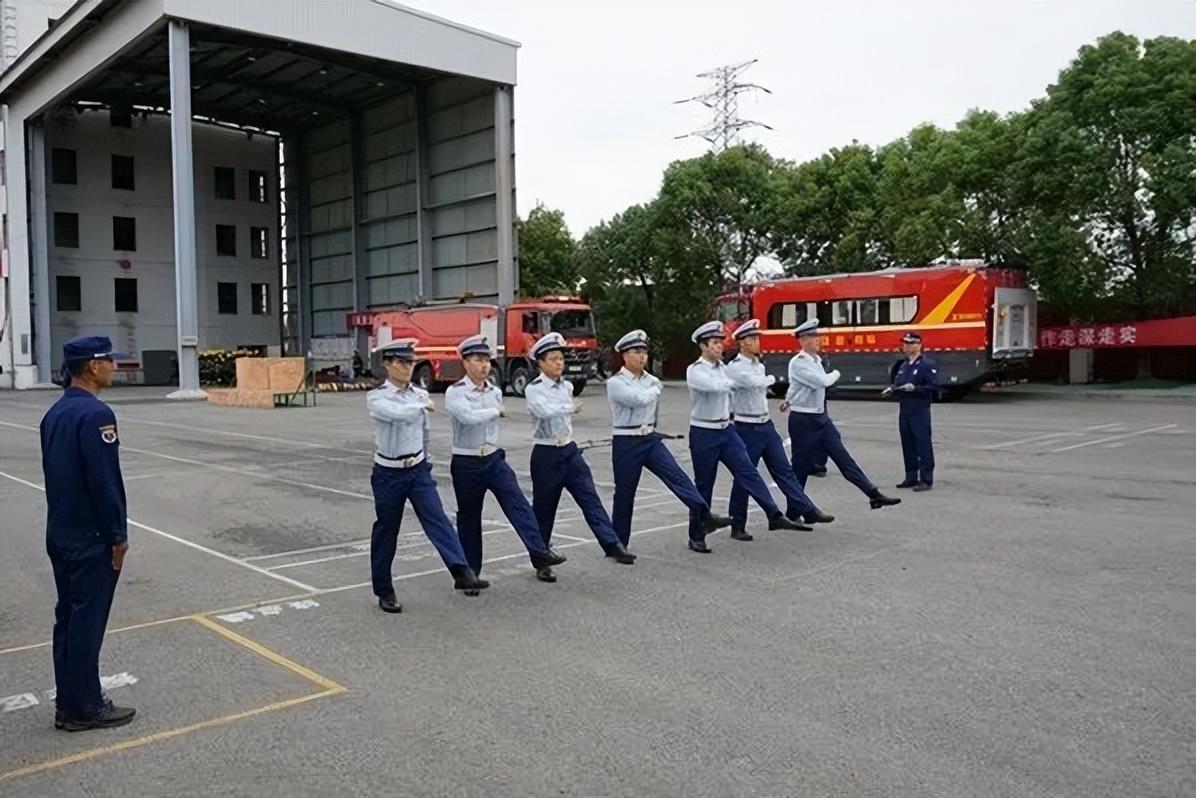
x=423, y=200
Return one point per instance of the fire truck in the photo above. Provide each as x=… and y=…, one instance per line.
x=977, y=320
x=511, y=329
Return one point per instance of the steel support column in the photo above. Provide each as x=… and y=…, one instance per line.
x=504, y=192
x=181, y=155
x=39, y=250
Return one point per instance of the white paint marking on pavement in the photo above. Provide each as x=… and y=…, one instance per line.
x=11, y=703
x=112, y=682
x=1031, y=439
x=182, y=541
x=267, y=611
x=1114, y=438
x=1114, y=427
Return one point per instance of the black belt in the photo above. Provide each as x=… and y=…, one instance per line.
x=400, y=457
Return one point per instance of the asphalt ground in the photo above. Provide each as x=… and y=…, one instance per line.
x=1025, y=629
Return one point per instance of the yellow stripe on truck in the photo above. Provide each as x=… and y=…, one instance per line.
x=943, y=310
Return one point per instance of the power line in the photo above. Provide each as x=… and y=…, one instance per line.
x=723, y=100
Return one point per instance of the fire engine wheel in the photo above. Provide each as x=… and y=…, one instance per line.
x=520, y=377
x=423, y=377
x=578, y=387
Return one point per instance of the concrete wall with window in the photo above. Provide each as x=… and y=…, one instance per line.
x=110, y=220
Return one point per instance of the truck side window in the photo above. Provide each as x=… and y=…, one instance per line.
x=531, y=324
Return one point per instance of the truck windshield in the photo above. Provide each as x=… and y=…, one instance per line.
x=573, y=322
x=732, y=310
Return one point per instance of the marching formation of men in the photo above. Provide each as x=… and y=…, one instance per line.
x=730, y=424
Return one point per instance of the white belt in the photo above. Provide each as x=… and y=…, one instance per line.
x=753, y=419
x=480, y=451
x=561, y=440
x=808, y=410
x=703, y=424
x=643, y=429
x=406, y=462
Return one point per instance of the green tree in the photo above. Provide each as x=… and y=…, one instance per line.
x=826, y=218
x=547, y=254
x=728, y=202
x=1112, y=149
x=640, y=273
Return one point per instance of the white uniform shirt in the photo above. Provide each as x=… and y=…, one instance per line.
x=808, y=382
x=474, y=411
x=400, y=424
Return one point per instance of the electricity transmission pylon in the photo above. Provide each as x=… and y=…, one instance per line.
x=723, y=100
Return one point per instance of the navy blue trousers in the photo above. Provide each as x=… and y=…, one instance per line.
x=630, y=455
x=393, y=487
x=85, y=587
x=559, y=468
x=813, y=434
x=913, y=424
x=708, y=448
x=472, y=477
x=763, y=442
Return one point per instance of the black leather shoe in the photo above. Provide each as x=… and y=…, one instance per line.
x=465, y=579
x=711, y=522
x=881, y=500
x=619, y=553
x=779, y=521
x=390, y=603
x=818, y=517
x=59, y=719
x=923, y=486
x=909, y=483
x=109, y=716
x=545, y=575
x=740, y=534
x=548, y=560
x=819, y=474
x=699, y=546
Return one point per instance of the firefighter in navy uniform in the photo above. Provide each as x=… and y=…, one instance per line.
x=402, y=472
x=753, y=422
x=86, y=531
x=713, y=439
x=811, y=430
x=633, y=394
x=557, y=463
x=480, y=465
x=915, y=384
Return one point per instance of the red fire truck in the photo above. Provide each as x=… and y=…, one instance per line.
x=978, y=321
x=511, y=329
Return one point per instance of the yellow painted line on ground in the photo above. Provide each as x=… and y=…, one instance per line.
x=149, y=739
x=269, y=654
x=330, y=688
x=131, y=627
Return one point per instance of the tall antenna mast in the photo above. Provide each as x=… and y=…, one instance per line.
x=723, y=100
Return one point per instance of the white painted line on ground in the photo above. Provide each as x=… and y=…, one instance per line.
x=1114, y=438
x=407, y=546
x=182, y=541
x=11, y=703
x=1031, y=439
x=162, y=474
x=1111, y=427
x=267, y=610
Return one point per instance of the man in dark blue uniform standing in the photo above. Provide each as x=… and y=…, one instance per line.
x=915, y=384
x=86, y=531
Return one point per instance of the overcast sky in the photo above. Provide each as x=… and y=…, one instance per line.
x=595, y=119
